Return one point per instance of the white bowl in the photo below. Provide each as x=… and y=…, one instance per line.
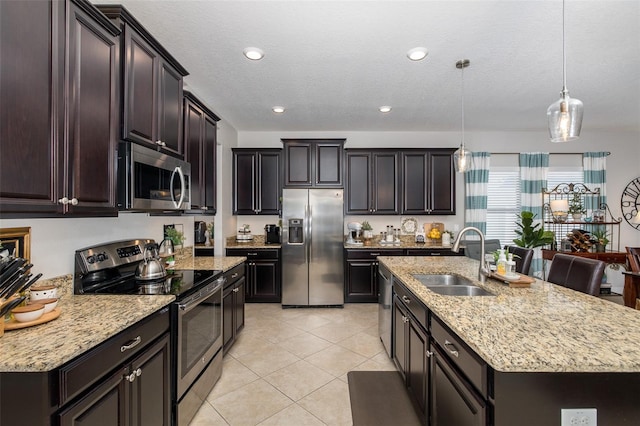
x=45, y=292
x=49, y=304
x=28, y=313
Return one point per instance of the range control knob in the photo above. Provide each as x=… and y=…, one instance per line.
x=101, y=257
x=91, y=259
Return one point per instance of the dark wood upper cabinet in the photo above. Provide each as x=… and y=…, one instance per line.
x=58, y=118
x=200, y=126
x=151, y=87
x=373, y=182
x=313, y=163
x=428, y=182
x=257, y=181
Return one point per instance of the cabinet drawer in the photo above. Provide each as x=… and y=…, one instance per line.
x=255, y=253
x=84, y=371
x=433, y=252
x=233, y=275
x=372, y=254
x=412, y=303
x=470, y=364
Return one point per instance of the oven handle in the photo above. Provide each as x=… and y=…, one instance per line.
x=194, y=300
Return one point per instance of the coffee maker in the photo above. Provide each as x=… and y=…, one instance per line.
x=272, y=234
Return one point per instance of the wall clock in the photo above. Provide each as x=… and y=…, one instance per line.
x=630, y=202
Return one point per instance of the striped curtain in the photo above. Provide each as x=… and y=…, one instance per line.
x=476, y=187
x=594, y=165
x=534, y=168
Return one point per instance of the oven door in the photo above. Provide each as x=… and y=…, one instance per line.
x=151, y=180
x=198, y=333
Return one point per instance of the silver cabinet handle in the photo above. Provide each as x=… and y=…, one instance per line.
x=405, y=299
x=130, y=377
x=235, y=290
x=138, y=372
x=64, y=201
x=428, y=353
x=252, y=254
x=234, y=275
x=132, y=344
x=453, y=351
x=74, y=201
x=375, y=254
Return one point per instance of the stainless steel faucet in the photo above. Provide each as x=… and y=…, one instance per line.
x=483, y=269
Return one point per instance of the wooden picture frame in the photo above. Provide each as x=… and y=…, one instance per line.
x=18, y=239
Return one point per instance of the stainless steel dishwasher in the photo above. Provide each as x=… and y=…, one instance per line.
x=385, y=304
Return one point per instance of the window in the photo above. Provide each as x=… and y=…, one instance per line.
x=503, y=203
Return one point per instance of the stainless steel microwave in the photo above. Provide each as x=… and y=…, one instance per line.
x=149, y=180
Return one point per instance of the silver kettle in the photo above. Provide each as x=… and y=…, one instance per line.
x=151, y=267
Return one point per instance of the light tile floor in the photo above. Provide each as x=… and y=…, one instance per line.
x=289, y=366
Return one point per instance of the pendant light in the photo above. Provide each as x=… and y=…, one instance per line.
x=462, y=156
x=565, y=115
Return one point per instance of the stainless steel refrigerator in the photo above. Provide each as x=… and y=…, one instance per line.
x=312, y=247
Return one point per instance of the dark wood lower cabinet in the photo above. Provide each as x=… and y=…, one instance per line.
x=361, y=274
x=233, y=300
x=263, y=271
x=453, y=400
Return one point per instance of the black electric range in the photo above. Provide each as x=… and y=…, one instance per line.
x=110, y=269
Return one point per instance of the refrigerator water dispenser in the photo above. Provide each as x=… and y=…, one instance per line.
x=295, y=231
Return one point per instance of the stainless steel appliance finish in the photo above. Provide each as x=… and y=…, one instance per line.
x=199, y=236
x=312, y=247
x=385, y=305
x=149, y=180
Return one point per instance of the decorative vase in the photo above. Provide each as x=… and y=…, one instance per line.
x=576, y=216
x=446, y=239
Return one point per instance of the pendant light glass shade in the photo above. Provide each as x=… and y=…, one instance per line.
x=564, y=115
x=565, y=118
x=462, y=159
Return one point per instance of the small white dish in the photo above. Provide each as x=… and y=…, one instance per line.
x=44, y=292
x=28, y=313
x=49, y=304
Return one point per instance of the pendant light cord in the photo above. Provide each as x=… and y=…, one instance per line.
x=462, y=102
x=564, y=55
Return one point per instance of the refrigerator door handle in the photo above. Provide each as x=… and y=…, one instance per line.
x=309, y=227
x=310, y=239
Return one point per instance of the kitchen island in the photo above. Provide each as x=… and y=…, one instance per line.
x=538, y=350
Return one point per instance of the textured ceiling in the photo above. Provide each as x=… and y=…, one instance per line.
x=333, y=63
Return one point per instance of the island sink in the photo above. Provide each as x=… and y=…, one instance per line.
x=451, y=285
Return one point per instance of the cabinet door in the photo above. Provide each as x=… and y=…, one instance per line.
x=453, y=401
x=170, y=109
x=442, y=188
x=358, y=184
x=298, y=164
x=93, y=114
x=31, y=106
x=328, y=164
x=361, y=282
x=400, y=319
x=209, y=163
x=140, y=94
x=151, y=389
x=265, y=281
x=239, y=290
x=269, y=185
x=418, y=366
x=106, y=404
x=228, y=307
x=244, y=182
x=385, y=183
x=193, y=140
x=415, y=197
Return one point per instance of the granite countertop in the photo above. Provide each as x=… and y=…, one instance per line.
x=544, y=328
x=258, y=242
x=85, y=321
x=223, y=263
x=406, y=242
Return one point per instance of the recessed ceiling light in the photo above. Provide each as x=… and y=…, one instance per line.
x=278, y=109
x=417, y=53
x=384, y=108
x=253, y=53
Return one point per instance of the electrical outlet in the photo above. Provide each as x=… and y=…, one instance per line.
x=579, y=417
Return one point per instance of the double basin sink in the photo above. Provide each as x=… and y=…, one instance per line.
x=451, y=285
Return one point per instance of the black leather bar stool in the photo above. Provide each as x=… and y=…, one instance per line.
x=577, y=273
x=523, y=259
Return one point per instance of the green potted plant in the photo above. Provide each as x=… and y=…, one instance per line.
x=176, y=237
x=601, y=237
x=576, y=210
x=367, y=230
x=530, y=235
